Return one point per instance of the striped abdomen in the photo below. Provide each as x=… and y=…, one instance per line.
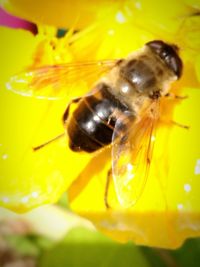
x=91, y=124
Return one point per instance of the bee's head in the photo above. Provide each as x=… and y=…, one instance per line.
x=169, y=54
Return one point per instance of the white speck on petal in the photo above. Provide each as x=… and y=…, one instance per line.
x=197, y=167
x=35, y=194
x=120, y=17
x=187, y=187
x=8, y=86
x=25, y=199
x=180, y=206
x=129, y=167
x=153, y=138
x=4, y=156
x=5, y=199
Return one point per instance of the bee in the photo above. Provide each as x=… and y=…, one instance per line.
x=121, y=110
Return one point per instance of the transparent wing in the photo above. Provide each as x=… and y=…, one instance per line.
x=57, y=81
x=132, y=149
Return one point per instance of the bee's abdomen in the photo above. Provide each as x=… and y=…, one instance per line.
x=91, y=125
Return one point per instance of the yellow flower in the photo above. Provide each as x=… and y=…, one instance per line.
x=168, y=210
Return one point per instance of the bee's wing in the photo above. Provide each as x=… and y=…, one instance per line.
x=132, y=153
x=57, y=81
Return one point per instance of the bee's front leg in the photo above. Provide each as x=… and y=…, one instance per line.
x=176, y=97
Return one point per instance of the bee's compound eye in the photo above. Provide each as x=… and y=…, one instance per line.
x=169, y=54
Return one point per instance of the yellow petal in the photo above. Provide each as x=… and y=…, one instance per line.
x=68, y=13
x=193, y=3
x=28, y=178
x=82, y=13
x=168, y=211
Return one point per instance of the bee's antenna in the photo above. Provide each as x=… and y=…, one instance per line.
x=48, y=142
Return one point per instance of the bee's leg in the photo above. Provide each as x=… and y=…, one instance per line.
x=180, y=125
x=108, y=178
x=48, y=142
x=65, y=117
x=175, y=123
x=66, y=114
x=177, y=97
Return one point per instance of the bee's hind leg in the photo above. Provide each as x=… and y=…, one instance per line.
x=65, y=117
x=108, y=179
